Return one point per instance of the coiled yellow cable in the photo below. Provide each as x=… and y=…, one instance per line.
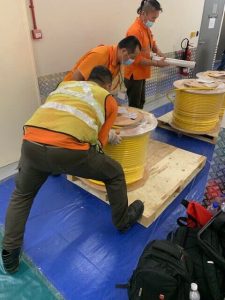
x=222, y=109
x=207, y=75
x=131, y=153
x=196, y=112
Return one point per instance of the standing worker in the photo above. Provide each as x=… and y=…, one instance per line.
x=109, y=56
x=65, y=135
x=136, y=74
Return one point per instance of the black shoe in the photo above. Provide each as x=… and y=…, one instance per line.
x=11, y=260
x=135, y=211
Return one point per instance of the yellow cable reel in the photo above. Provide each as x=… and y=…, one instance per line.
x=196, y=110
x=132, y=152
x=214, y=76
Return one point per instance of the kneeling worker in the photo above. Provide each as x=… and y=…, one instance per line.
x=66, y=135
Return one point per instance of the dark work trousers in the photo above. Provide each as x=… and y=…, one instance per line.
x=38, y=161
x=135, y=92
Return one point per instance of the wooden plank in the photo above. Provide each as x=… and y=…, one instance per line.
x=170, y=170
x=165, y=121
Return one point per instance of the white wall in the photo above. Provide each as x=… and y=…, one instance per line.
x=19, y=93
x=178, y=20
x=71, y=27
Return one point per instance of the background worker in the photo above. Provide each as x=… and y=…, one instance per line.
x=136, y=74
x=65, y=135
x=109, y=56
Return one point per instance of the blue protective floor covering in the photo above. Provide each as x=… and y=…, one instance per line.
x=70, y=236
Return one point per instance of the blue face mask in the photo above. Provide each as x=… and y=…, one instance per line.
x=128, y=62
x=149, y=24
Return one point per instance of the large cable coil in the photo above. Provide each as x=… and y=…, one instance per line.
x=132, y=152
x=214, y=76
x=196, y=109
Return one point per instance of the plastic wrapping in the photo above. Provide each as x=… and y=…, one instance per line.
x=26, y=284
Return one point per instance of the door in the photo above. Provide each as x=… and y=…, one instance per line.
x=212, y=18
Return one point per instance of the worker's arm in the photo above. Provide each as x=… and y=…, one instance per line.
x=77, y=75
x=111, y=114
x=149, y=62
x=142, y=59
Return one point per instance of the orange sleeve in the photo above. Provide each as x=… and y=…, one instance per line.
x=111, y=108
x=92, y=60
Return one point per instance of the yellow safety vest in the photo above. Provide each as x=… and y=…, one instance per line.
x=75, y=108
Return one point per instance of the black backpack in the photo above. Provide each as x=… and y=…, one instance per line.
x=163, y=269
x=189, y=255
x=205, y=247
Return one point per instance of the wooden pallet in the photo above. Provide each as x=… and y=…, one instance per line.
x=170, y=170
x=165, y=121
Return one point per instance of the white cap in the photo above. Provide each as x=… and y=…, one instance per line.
x=194, y=286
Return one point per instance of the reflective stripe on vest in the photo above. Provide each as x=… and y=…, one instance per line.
x=73, y=111
x=87, y=98
x=67, y=111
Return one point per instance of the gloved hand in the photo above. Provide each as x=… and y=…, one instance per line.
x=114, y=138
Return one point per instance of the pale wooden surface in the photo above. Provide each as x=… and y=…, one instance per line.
x=165, y=122
x=182, y=84
x=170, y=170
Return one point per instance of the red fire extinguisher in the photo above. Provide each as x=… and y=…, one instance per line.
x=186, y=55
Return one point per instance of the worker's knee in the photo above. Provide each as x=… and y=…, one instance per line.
x=118, y=169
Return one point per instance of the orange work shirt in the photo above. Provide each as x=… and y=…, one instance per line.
x=61, y=140
x=101, y=55
x=145, y=37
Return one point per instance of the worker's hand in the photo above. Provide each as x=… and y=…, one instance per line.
x=114, y=138
x=161, y=63
x=159, y=53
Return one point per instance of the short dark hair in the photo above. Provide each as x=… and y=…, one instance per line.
x=147, y=5
x=100, y=74
x=130, y=43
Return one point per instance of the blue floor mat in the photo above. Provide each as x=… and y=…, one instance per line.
x=70, y=236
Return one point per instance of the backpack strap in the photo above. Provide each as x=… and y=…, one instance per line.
x=219, y=221
x=216, y=257
x=180, y=236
